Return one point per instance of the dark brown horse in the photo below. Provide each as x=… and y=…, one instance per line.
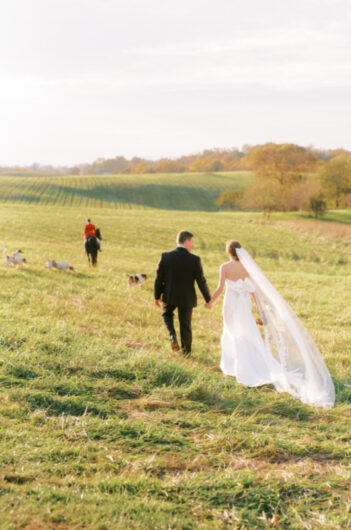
x=91, y=248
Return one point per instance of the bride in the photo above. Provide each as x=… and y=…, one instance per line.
x=287, y=356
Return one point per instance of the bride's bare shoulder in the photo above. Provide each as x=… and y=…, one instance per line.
x=224, y=267
x=234, y=270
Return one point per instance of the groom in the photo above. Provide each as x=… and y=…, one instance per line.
x=174, y=285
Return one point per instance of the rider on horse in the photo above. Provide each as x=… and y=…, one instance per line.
x=90, y=230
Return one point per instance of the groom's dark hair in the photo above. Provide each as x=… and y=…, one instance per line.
x=183, y=235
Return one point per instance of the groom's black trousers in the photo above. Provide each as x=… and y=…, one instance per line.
x=184, y=315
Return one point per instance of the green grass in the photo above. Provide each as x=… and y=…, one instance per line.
x=334, y=216
x=103, y=427
x=183, y=191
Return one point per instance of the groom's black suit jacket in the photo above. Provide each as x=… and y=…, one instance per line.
x=175, y=278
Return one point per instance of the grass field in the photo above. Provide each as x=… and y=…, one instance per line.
x=183, y=191
x=103, y=427
x=332, y=216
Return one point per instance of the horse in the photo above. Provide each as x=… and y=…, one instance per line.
x=92, y=246
x=91, y=249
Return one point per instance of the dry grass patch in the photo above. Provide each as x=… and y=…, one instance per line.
x=320, y=228
x=149, y=402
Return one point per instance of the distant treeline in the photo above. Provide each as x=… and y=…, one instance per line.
x=290, y=177
x=209, y=160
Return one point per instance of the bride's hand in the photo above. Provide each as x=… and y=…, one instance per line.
x=209, y=305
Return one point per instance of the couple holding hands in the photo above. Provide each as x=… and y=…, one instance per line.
x=284, y=355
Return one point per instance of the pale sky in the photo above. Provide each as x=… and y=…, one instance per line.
x=81, y=79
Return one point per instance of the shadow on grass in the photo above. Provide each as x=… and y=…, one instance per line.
x=68, y=406
x=21, y=372
x=75, y=274
x=114, y=373
x=30, y=273
x=18, y=479
x=251, y=403
x=23, y=198
x=166, y=197
x=333, y=216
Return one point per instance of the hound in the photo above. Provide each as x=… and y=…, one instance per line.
x=15, y=259
x=59, y=265
x=136, y=279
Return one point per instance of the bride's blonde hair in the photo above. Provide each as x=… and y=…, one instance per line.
x=231, y=247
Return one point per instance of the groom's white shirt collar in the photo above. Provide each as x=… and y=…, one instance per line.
x=181, y=246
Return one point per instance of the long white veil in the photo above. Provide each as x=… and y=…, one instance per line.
x=300, y=369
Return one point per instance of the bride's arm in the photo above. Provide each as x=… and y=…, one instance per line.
x=219, y=289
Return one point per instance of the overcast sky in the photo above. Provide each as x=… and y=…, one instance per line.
x=80, y=79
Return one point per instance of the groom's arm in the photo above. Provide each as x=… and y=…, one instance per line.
x=159, y=279
x=201, y=282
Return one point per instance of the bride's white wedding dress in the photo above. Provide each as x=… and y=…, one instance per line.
x=287, y=357
x=243, y=351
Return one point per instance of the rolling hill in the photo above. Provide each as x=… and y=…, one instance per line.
x=101, y=425
x=183, y=191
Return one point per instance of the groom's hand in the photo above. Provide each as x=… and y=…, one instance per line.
x=158, y=303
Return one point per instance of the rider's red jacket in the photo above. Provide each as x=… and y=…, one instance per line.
x=89, y=230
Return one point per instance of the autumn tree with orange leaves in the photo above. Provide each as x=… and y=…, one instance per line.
x=281, y=182
x=283, y=163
